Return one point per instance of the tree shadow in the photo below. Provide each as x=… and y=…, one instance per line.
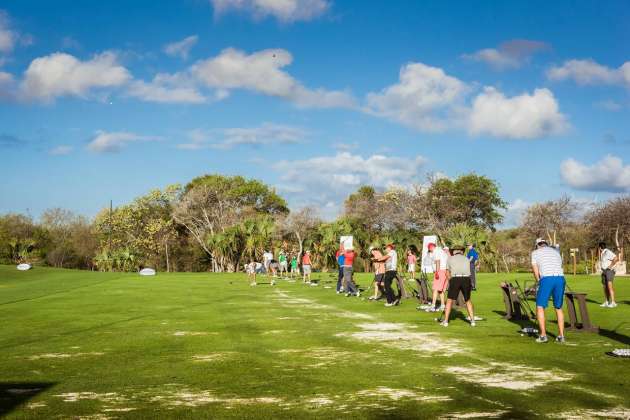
x=624, y=302
x=13, y=394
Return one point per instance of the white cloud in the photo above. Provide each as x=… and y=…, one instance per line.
x=166, y=89
x=8, y=37
x=524, y=116
x=513, y=214
x=324, y=179
x=181, y=48
x=609, y=174
x=509, y=55
x=104, y=142
x=609, y=105
x=60, y=150
x=69, y=43
x=228, y=138
x=6, y=85
x=588, y=72
x=283, y=10
x=424, y=98
x=61, y=74
x=262, y=72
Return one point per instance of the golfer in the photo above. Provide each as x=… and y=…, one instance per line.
x=267, y=257
x=294, y=266
x=411, y=264
x=306, y=267
x=458, y=280
x=284, y=264
x=473, y=257
x=379, y=273
x=339, y=255
x=607, y=262
x=348, y=271
x=440, y=258
x=548, y=272
x=391, y=262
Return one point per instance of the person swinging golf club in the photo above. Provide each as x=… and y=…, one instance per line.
x=548, y=272
x=391, y=262
x=440, y=258
x=458, y=280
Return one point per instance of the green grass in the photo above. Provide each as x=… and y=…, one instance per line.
x=128, y=342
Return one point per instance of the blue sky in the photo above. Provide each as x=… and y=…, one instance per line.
x=107, y=100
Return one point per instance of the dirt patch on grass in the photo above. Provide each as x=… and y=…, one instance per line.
x=613, y=413
x=189, y=398
x=393, y=394
x=191, y=333
x=35, y=405
x=474, y=415
x=63, y=355
x=107, y=397
x=212, y=357
x=400, y=336
x=508, y=376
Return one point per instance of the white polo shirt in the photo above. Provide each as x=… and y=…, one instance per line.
x=549, y=261
x=606, y=258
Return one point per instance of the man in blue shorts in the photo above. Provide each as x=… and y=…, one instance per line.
x=547, y=266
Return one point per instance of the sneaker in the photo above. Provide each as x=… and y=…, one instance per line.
x=252, y=284
x=542, y=339
x=560, y=339
x=444, y=323
x=358, y=294
x=347, y=294
x=431, y=309
x=441, y=308
x=338, y=292
x=612, y=305
x=389, y=304
x=371, y=298
x=273, y=283
x=473, y=324
x=605, y=305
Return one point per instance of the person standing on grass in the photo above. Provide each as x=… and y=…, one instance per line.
x=379, y=273
x=284, y=266
x=251, y=272
x=458, y=280
x=391, y=262
x=440, y=258
x=339, y=256
x=348, y=272
x=473, y=257
x=411, y=264
x=306, y=267
x=294, y=265
x=548, y=272
x=267, y=257
x=607, y=262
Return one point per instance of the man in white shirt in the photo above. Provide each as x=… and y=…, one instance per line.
x=607, y=261
x=391, y=263
x=548, y=272
x=440, y=258
x=267, y=257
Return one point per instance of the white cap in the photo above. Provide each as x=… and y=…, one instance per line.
x=541, y=240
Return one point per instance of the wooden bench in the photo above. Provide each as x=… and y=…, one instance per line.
x=514, y=308
x=574, y=323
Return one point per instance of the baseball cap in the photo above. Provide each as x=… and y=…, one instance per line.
x=541, y=241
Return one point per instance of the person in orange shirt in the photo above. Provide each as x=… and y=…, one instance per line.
x=306, y=267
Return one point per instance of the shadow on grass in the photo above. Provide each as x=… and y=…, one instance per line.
x=614, y=335
x=12, y=394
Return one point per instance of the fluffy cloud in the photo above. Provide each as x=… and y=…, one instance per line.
x=513, y=214
x=328, y=179
x=423, y=98
x=509, y=55
x=283, y=10
x=104, y=142
x=60, y=150
x=8, y=37
x=166, y=89
x=588, y=72
x=262, y=72
x=609, y=174
x=61, y=74
x=229, y=138
x=520, y=117
x=181, y=48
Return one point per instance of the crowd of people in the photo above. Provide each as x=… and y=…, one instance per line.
x=454, y=277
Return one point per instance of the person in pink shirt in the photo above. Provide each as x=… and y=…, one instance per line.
x=306, y=267
x=411, y=264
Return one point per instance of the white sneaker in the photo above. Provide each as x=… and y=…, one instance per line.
x=473, y=324
x=444, y=323
x=431, y=309
x=441, y=308
x=389, y=304
x=612, y=305
x=605, y=305
x=273, y=283
x=358, y=294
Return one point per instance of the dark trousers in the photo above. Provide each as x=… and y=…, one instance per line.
x=340, y=278
x=473, y=275
x=388, y=279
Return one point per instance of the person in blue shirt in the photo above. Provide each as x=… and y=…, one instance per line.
x=473, y=257
x=340, y=260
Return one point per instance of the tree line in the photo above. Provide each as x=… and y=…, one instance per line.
x=219, y=223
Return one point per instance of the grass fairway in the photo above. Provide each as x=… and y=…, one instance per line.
x=112, y=345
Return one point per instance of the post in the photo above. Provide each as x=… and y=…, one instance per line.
x=574, y=264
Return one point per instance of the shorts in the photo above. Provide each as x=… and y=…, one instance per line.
x=411, y=268
x=283, y=264
x=459, y=284
x=306, y=269
x=552, y=286
x=608, y=276
x=439, y=284
x=378, y=278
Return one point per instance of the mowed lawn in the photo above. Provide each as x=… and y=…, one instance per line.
x=198, y=345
